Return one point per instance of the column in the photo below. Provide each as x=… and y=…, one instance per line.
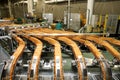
x=90, y=5
x=30, y=6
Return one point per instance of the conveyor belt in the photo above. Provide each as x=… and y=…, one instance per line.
x=14, y=58
x=105, y=67
x=111, y=40
x=34, y=65
x=81, y=65
x=58, y=73
x=82, y=72
x=110, y=48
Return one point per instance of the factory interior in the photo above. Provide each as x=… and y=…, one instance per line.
x=59, y=39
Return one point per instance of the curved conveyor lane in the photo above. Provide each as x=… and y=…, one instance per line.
x=58, y=73
x=16, y=55
x=34, y=65
x=82, y=71
x=105, y=67
x=111, y=40
x=110, y=48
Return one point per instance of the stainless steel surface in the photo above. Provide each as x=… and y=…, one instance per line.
x=112, y=23
x=3, y=55
x=75, y=21
x=1, y=69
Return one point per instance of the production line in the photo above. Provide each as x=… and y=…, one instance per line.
x=58, y=73
x=78, y=56
x=32, y=46
x=59, y=40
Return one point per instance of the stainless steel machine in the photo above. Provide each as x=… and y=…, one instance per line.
x=46, y=54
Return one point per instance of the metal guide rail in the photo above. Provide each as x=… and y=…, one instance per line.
x=45, y=32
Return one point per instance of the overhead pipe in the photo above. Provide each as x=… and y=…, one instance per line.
x=68, y=14
x=90, y=5
x=10, y=8
x=30, y=6
x=89, y=13
x=105, y=67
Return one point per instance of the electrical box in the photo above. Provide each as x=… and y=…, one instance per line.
x=48, y=17
x=112, y=23
x=75, y=21
x=94, y=21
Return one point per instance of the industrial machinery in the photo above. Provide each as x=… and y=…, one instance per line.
x=36, y=53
